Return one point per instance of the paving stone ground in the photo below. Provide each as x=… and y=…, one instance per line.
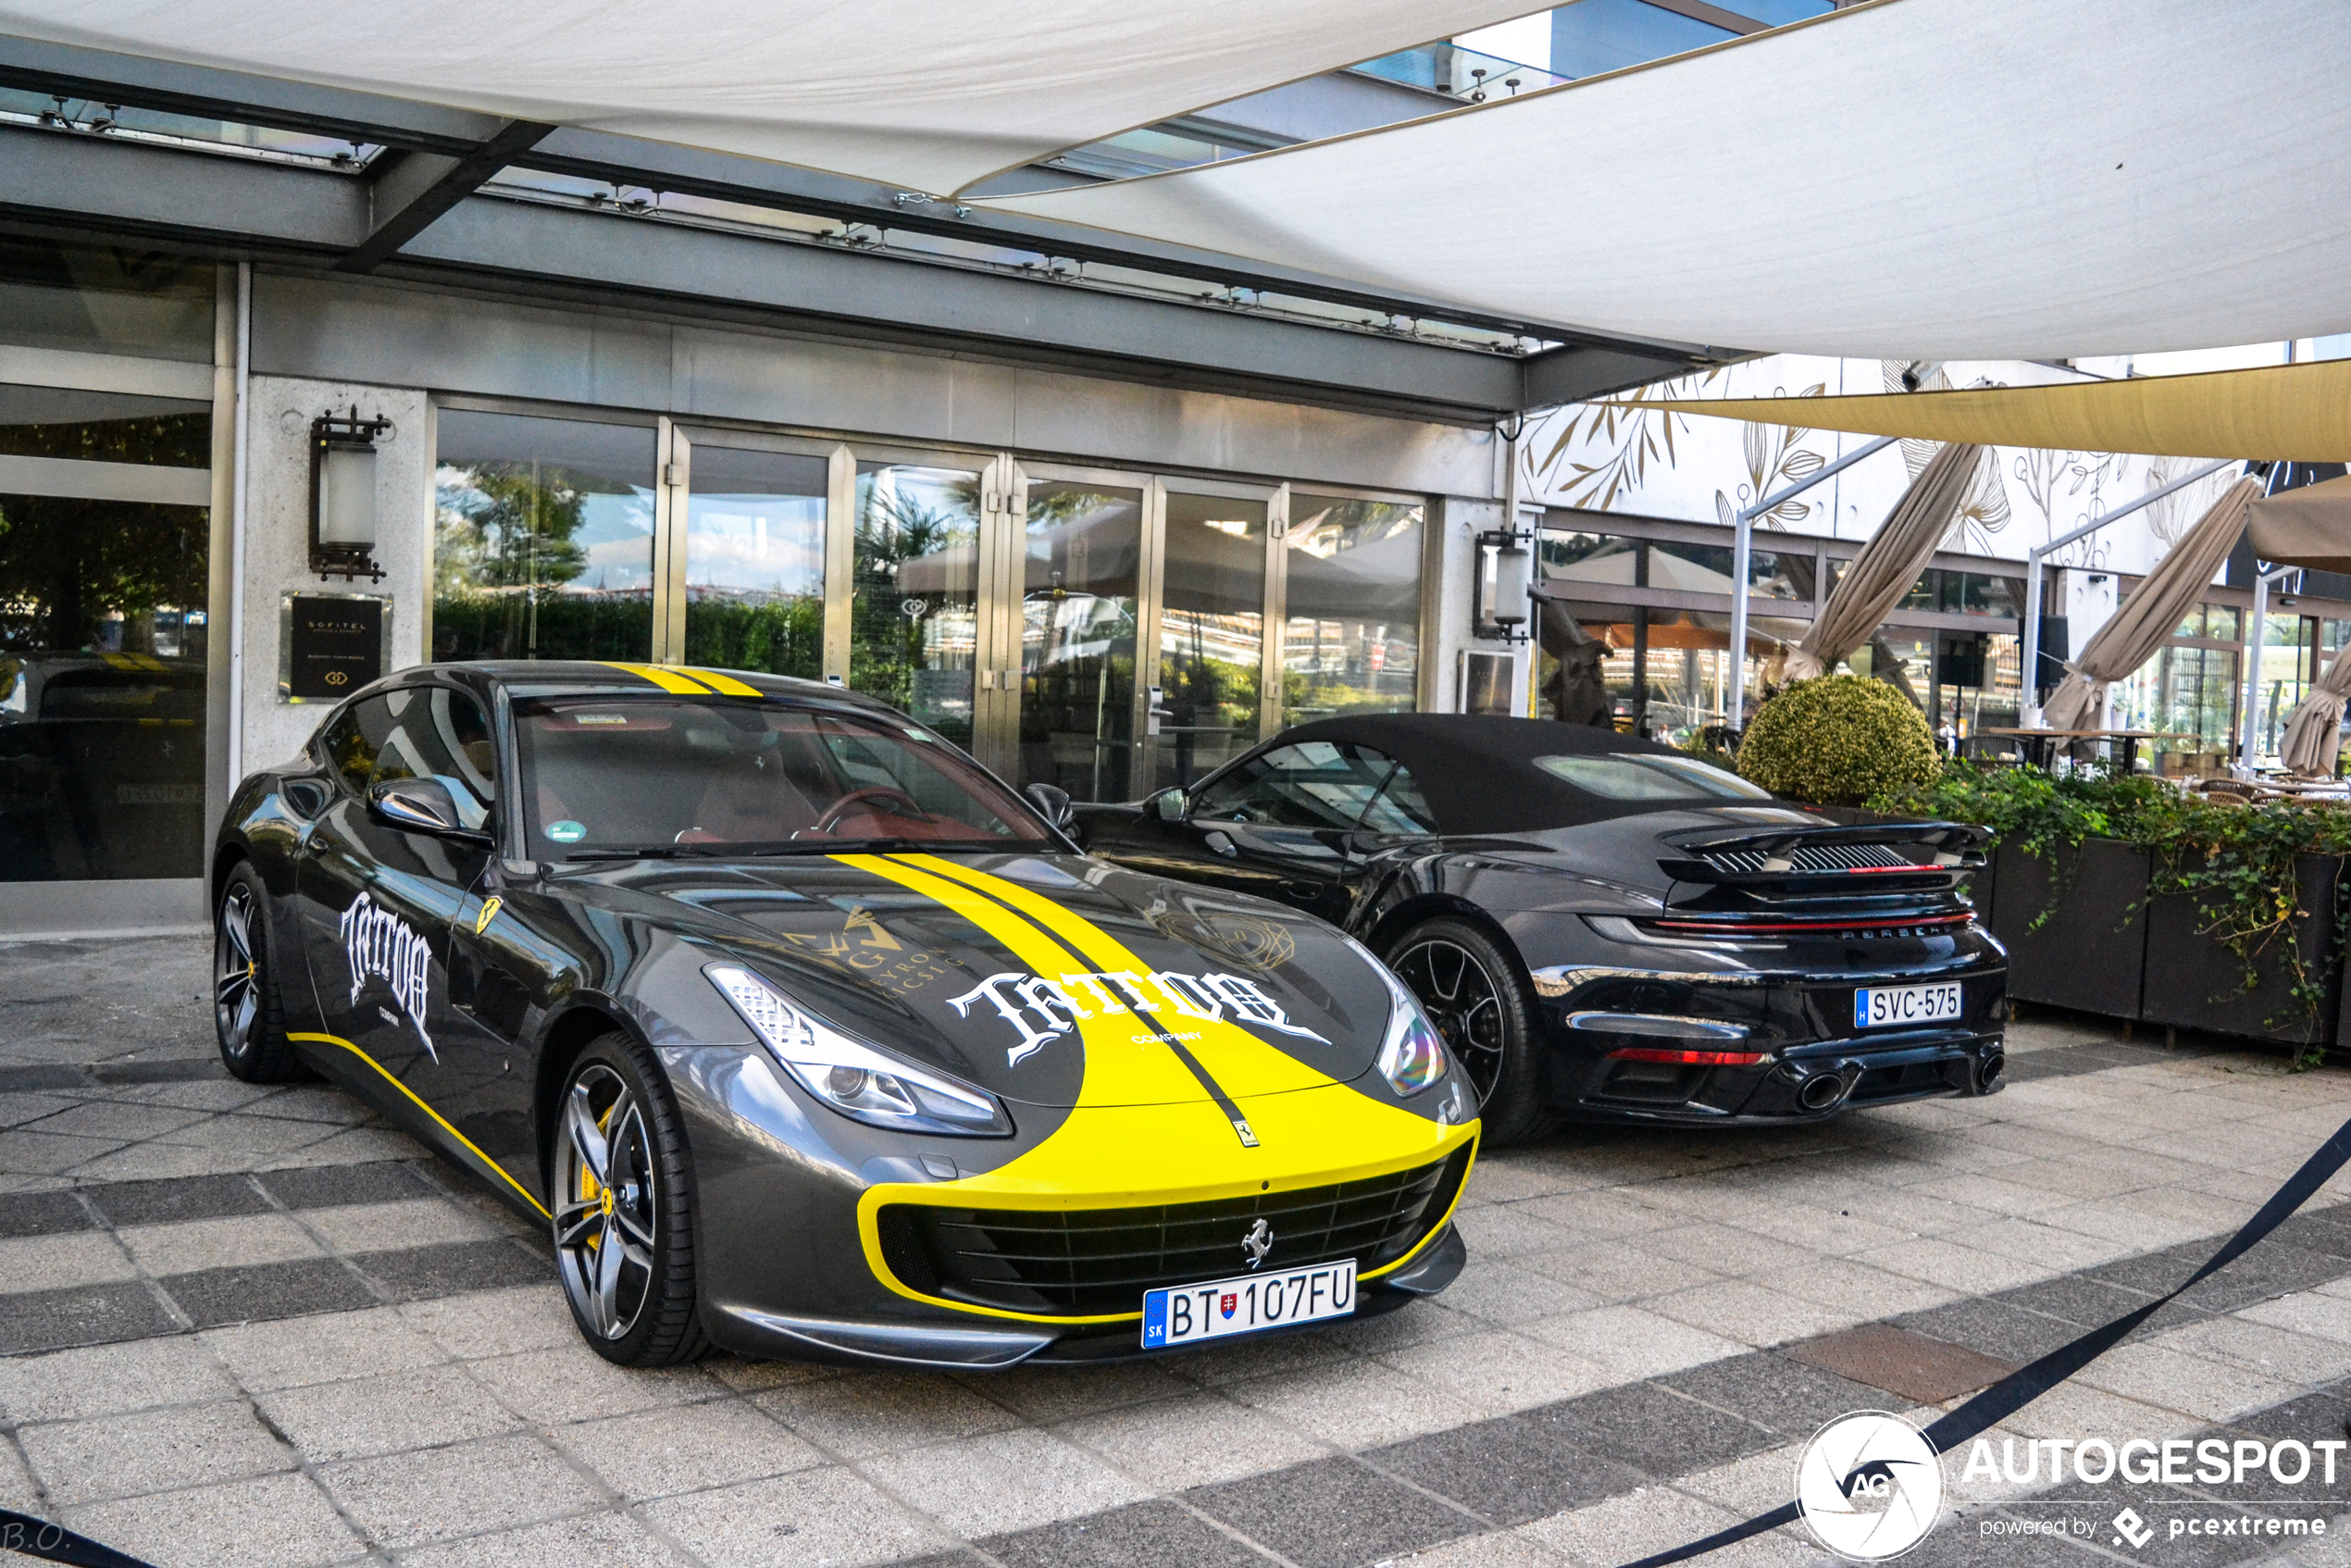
x=256, y=1326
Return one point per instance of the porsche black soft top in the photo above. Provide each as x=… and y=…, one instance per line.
x=1478, y=772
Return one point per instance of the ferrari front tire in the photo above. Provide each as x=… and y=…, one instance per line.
x=624, y=1231
x=247, y=1014
x=1474, y=992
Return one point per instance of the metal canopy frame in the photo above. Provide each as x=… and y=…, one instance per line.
x=415, y=209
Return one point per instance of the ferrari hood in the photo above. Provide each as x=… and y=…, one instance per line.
x=1051, y=980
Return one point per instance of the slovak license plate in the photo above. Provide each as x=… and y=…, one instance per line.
x=1893, y=1007
x=1188, y=1315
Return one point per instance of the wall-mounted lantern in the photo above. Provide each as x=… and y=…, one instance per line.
x=1499, y=593
x=342, y=495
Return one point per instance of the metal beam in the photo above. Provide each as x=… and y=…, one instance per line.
x=1575, y=373
x=207, y=93
x=414, y=189
x=58, y=182
x=912, y=301
x=108, y=77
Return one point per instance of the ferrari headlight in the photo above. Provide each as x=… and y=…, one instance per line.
x=853, y=1078
x=1413, y=1057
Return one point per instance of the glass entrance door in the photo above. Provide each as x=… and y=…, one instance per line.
x=1211, y=665
x=754, y=563
x=1080, y=597
x=914, y=615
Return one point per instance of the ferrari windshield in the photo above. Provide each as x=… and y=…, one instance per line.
x=714, y=776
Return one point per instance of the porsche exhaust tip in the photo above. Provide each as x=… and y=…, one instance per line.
x=1821, y=1092
x=1989, y=1071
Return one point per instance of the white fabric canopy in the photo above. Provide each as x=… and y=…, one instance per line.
x=931, y=94
x=1914, y=179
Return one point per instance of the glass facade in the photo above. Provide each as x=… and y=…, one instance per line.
x=1080, y=595
x=756, y=560
x=1352, y=640
x=1212, y=635
x=110, y=299
x=102, y=628
x=915, y=629
x=542, y=539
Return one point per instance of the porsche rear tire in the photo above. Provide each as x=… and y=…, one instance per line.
x=1474, y=992
x=247, y=1014
x=624, y=1231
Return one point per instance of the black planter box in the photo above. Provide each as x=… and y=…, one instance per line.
x=2197, y=983
x=2091, y=954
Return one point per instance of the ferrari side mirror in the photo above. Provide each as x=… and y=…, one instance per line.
x=1053, y=805
x=1172, y=805
x=420, y=805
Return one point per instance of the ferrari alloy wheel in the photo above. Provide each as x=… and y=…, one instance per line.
x=1472, y=991
x=622, y=1238
x=245, y=1013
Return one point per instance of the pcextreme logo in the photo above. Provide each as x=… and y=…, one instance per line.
x=1868, y=1486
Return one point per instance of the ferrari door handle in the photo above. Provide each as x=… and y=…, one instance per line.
x=1303, y=889
x=1222, y=843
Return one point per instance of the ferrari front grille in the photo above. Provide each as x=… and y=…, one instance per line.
x=1097, y=1263
x=1811, y=857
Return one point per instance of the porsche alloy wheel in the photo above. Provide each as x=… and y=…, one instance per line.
x=246, y=1014
x=1471, y=990
x=619, y=1220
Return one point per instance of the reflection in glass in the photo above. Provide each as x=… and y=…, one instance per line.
x=542, y=539
x=96, y=427
x=1212, y=635
x=1084, y=543
x=914, y=626
x=101, y=673
x=1354, y=637
x=110, y=298
x=755, y=561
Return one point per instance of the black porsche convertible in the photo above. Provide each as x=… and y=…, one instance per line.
x=805, y=1036
x=1603, y=927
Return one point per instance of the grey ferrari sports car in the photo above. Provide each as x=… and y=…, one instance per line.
x=803, y=1035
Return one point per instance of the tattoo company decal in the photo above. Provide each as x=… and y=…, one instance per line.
x=1043, y=1010
x=378, y=945
x=490, y=908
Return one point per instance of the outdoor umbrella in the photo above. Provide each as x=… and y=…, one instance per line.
x=2310, y=526
x=2139, y=629
x=1889, y=565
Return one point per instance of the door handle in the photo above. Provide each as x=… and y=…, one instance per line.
x=1303, y=889
x=1222, y=843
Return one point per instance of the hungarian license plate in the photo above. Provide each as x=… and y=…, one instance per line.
x=1188, y=1315
x=1892, y=1007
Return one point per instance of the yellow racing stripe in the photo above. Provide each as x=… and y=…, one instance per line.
x=1144, y=1131
x=499, y=1171
x=725, y=684
x=669, y=680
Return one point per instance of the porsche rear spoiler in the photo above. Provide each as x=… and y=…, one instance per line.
x=1895, y=856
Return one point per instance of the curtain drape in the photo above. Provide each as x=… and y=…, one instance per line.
x=1888, y=564
x=2138, y=630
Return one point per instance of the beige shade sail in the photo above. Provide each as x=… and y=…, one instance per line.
x=2300, y=413
x=1889, y=565
x=931, y=94
x=2307, y=527
x=1905, y=180
x=2137, y=631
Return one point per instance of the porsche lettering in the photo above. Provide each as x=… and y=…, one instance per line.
x=1043, y=1010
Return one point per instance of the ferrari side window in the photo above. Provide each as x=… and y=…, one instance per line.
x=437, y=733
x=1399, y=807
x=352, y=742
